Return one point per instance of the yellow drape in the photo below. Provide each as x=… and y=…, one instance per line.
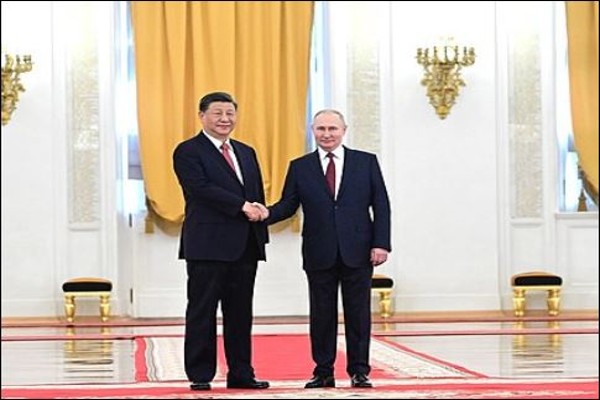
x=257, y=51
x=582, y=27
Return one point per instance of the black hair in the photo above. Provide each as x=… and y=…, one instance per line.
x=215, y=97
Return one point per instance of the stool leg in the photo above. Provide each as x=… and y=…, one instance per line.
x=70, y=307
x=519, y=302
x=553, y=301
x=555, y=338
x=519, y=340
x=104, y=307
x=385, y=303
x=70, y=344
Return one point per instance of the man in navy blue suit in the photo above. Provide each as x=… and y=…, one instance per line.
x=346, y=233
x=222, y=240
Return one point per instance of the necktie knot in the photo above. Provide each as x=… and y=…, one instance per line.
x=330, y=155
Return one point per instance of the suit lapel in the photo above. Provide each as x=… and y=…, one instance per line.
x=350, y=166
x=244, y=160
x=217, y=157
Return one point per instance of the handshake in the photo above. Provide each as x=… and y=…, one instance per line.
x=255, y=211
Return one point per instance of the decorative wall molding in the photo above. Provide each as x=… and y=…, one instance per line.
x=83, y=119
x=524, y=121
x=364, y=81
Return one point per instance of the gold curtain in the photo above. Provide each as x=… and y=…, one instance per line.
x=582, y=28
x=257, y=51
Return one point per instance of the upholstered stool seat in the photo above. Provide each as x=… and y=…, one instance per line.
x=87, y=287
x=383, y=285
x=536, y=280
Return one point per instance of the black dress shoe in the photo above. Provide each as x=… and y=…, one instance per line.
x=200, y=386
x=320, y=381
x=249, y=384
x=361, y=381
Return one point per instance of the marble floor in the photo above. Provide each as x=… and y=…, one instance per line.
x=548, y=349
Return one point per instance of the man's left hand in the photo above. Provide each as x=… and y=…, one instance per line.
x=378, y=256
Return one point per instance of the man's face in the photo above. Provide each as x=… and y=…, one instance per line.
x=219, y=120
x=329, y=130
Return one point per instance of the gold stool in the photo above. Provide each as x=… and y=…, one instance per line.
x=536, y=280
x=383, y=285
x=87, y=287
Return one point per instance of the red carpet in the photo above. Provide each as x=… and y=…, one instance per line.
x=287, y=357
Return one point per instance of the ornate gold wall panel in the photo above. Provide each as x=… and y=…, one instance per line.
x=364, y=79
x=83, y=119
x=525, y=125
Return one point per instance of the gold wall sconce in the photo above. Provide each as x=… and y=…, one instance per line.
x=12, y=69
x=442, y=78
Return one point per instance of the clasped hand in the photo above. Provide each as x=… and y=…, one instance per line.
x=255, y=211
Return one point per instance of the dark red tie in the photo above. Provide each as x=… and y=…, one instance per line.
x=330, y=174
x=225, y=151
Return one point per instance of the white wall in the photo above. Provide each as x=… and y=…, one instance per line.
x=455, y=243
x=58, y=151
x=31, y=160
x=445, y=196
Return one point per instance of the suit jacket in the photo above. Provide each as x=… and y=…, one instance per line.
x=214, y=227
x=353, y=224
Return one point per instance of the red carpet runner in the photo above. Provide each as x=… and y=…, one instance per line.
x=288, y=357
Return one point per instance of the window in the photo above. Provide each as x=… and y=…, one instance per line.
x=126, y=114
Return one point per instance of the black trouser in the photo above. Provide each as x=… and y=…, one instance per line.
x=231, y=283
x=356, y=299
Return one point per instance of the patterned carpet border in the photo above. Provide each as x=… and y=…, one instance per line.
x=161, y=359
x=384, y=389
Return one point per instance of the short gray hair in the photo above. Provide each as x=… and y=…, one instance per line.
x=331, y=111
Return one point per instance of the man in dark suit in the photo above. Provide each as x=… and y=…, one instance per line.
x=346, y=233
x=222, y=240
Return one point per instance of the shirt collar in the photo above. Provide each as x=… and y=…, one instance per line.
x=338, y=153
x=217, y=142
